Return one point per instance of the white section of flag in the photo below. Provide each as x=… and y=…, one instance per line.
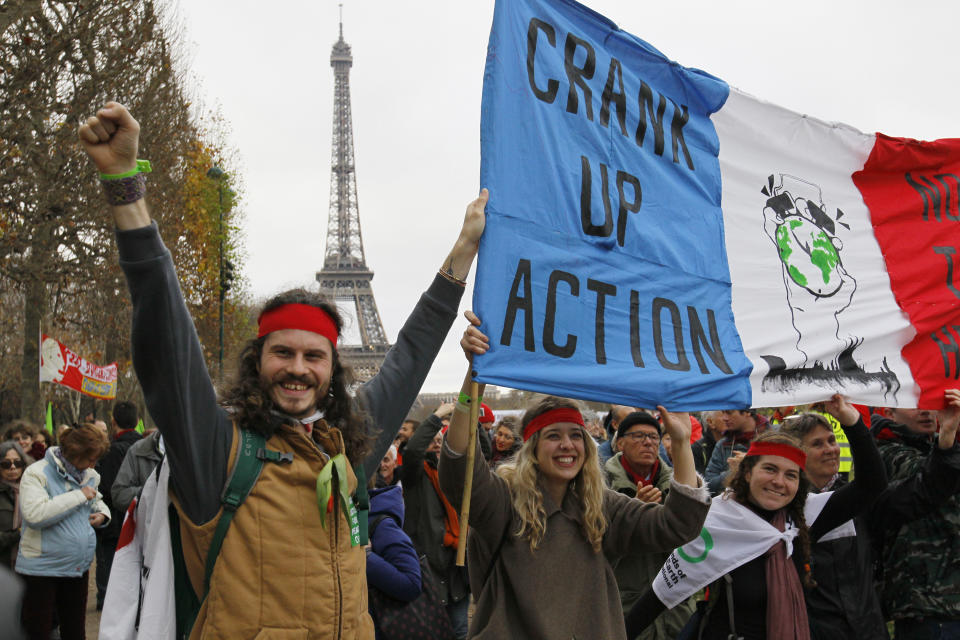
x=757, y=140
x=142, y=572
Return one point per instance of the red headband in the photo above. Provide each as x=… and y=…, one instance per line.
x=547, y=418
x=777, y=449
x=298, y=316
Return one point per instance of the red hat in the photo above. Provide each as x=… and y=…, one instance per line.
x=486, y=414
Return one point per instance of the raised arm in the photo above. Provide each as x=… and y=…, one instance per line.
x=388, y=396
x=870, y=478
x=111, y=139
x=167, y=355
x=423, y=435
x=473, y=342
x=677, y=426
x=933, y=484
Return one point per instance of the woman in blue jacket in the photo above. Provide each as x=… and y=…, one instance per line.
x=393, y=566
x=60, y=507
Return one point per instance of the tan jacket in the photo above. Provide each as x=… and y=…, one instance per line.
x=280, y=575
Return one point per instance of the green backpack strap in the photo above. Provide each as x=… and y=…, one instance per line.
x=246, y=472
x=251, y=455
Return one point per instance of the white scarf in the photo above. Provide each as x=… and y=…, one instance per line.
x=732, y=535
x=141, y=578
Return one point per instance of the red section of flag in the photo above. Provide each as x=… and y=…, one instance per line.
x=864, y=412
x=912, y=190
x=129, y=529
x=61, y=365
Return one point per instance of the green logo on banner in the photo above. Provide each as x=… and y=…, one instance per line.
x=707, y=545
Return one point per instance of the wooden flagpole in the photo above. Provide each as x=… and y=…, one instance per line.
x=468, y=476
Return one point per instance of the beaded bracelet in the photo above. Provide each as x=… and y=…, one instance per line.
x=126, y=188
x=452, y=278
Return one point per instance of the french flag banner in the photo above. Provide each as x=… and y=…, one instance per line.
x=655, y=236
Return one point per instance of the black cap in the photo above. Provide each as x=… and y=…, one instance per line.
x=638, y=417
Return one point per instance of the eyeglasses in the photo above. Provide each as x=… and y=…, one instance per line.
x=10, y=464
x=637, y=436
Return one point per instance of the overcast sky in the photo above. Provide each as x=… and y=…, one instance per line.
x=416, y=86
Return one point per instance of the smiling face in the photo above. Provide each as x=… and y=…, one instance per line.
x=295, y=370
x=823, y=455
x=23, y=438
x=503, y=439
x=917, y=420
x=406, y=430
x=560, y=453
x=773, y=482
x=12, y=467
x=387, y=465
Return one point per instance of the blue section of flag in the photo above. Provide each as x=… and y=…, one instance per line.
x=621, y=293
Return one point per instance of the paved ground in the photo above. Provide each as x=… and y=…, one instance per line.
x=93, y=616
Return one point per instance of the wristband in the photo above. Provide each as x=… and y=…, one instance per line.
x=126, y=188
x=121, y=191
x=143, y=166
x=452, y=278
x=465, y=398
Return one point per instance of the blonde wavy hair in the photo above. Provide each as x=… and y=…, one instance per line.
x=521, y=475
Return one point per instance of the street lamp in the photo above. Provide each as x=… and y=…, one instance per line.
x=218, y=174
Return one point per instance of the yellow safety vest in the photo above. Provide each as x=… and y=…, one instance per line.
x=846, y=460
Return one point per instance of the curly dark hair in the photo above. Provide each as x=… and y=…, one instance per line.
x=740, y=486
x=251, y=405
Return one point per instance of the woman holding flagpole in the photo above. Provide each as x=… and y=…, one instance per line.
x=754, y=551
x=545, y=531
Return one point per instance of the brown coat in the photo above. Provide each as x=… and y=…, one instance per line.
x=563, y=589
x=281, y=575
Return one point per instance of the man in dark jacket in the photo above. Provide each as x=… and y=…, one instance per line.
x=741, y=428
x=638, y=472
x=125, y=434
x=429, y=523
x=141, y=459
x=921, y=559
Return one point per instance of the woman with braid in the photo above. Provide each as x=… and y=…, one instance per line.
x=754, y=551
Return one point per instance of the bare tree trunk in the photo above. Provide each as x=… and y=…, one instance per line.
x=34, y=308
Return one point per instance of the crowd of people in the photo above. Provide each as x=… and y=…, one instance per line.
x=820, y=553
x=292, y=505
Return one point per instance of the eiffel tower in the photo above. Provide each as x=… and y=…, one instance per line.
x=345, y=276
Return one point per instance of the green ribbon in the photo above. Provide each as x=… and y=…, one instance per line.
x=337, y=465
